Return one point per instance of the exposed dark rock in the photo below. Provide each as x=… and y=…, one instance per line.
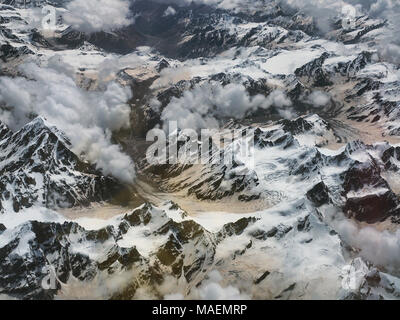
x=319, y=194
x=262, y=277
x=372, y=208
x=8, y=52
x=315, y=72
x=162, y=65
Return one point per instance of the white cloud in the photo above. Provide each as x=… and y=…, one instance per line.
x=319, y=99
x=320, y=10
x=87, y=118
x=213, y=290
x=98, y=15
x=390, y=52
x=205, y=105
x=174, y=296
x=170, y=11
x=170, y=76
x=379, y=247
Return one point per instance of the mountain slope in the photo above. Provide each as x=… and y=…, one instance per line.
x=38, y=168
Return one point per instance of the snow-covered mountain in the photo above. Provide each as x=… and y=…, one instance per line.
x=38, y=168
x=151, y=248
x=314, y=215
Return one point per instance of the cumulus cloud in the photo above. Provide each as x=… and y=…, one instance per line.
x=170, y=76
x=390, y=52
x=211, y=289
x=379, y=247
x=318, y=99
x=113, y=64
x=203, y=106
x=320, y=9
x=170, y=11
x=174, y=296
x=381, y=7
x=98, y=15
x=87, y=118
